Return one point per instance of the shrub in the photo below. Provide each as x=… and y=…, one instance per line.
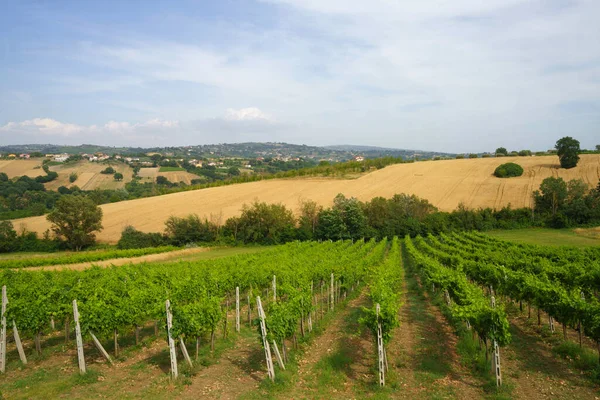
x=131, y=238
x=190, y=229
x=473, y=155
x=73, y=177
x=108, y=171
x=508, y=170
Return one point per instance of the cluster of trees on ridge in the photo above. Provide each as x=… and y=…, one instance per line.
x=557, y=204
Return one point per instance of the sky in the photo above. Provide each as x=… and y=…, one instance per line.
x=440, y=75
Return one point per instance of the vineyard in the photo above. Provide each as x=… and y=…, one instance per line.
x=347, y=316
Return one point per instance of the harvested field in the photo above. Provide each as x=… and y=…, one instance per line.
x=14, y=168
x=89, y=176
x=179, y=176
x=443, y=183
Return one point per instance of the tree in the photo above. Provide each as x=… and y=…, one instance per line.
x=551, y=196
x=108, y=171
x=567, y=149
x=502, y=150
x=266, y=224
x=233, y=171
x=118, y=176
x=308, y=219
x=73, y=177
x=598, y=147
x=161, y=180
x=8, y=236
x=76, y=218
x=190, y=229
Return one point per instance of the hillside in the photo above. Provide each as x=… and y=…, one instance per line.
x=443, y=183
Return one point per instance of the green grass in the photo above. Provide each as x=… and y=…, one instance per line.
x=170, y=169
x=218, y=252
x=545, y=237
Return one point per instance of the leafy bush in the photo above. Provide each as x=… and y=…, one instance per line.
x=108, y=171
x=508, y=170
x=131, y=238
x=189, y=229
x=73, y=177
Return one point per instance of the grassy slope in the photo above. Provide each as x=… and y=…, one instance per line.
x=545, y=237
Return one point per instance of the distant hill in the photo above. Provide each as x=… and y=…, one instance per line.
x=240, y=150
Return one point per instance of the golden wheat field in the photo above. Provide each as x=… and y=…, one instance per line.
x=444, y=183
x=14, y=168
x=89, y=176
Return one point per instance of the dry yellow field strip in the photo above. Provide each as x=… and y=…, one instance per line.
x=14, y=168
x=444, y=183
x=170, y=256
x=89, y=176
x=179, y=176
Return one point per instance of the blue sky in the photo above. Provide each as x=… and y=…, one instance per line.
x=456, y=76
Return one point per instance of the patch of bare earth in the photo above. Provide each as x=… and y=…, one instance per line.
x=238, y=371
x=343, y=338
x=538, y=373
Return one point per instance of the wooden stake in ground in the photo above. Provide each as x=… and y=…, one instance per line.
x=172, y=351
x=237, y=309
x=274, y=288
x=80, y=357
x=332, y=293
x=278, y=355
x=3, y=332
x=263, y=331
x=101, y=348
x=380, y=351
x=19, y=344
x=249, y=312
x=496, y=359
x=186, y=355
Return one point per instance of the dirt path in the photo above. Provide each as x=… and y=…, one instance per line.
x=169, y=255
x=423, y=353
x=536, y=372
x=238, y=371
x=338, y=363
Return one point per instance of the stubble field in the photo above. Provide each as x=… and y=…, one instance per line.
x=444, y=183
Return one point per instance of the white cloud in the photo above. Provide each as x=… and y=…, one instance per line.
x=246, y=124
x=247, y=114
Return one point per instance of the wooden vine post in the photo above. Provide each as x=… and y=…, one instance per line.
x=496, y=359
x=249, y=311
x=3, y=332
x=332, y=293
x=22, y=355
x=80, y=356
x=172, y=350
x=274, y=288
x=101, y=348
x=263, y=331
x=380, y=350
x=237, y=309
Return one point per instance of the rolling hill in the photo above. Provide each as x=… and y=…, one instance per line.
x=443, y=183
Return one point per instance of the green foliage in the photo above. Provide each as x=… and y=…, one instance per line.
x=161, y=180
x=468, y=300
x=73, y=177
x=502, y=150
x=118, y=176
x=134, y=239
x=108, y=171
x=508, y=170
x=190, y=229
x=568, y=150
x=76, y=219
x=384, y=290
x=82, y=257
x=263, y=223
